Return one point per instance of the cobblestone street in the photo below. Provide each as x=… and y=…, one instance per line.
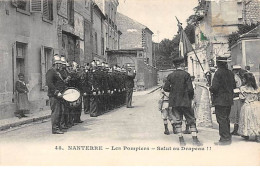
x=140, y=126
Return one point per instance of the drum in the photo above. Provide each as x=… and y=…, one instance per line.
x=71, y=97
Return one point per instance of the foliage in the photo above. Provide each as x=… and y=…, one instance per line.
x=242, y=29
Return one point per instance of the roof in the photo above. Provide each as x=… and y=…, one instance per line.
x=131, y=32
x=96, y=7
x=253, y=33
x=121, y=51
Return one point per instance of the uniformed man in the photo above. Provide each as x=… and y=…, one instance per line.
x=129, y=86
x=65, y=110
x=94, y=90
x=179, y=85
x=75, y=82
x=222, y=91
x=86, y=89
x=55, y=85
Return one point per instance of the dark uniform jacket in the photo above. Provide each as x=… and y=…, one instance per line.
x=54, y=82
x=129, y=82
x=180, y=87
x=222, y=87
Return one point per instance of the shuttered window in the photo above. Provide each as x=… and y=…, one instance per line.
x=48, y=9
x=36, y=5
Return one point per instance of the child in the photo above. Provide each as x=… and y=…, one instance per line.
x=22, y=97
x=164, y=108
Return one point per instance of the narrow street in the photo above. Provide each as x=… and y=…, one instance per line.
x=140, y=126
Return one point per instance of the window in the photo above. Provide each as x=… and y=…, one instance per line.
x=96, y=43
x=87, y=4
x=48, y=10
x=46, y=63
x=102, y=46
x=20, y=57
x=22, y=6
x=71, y=12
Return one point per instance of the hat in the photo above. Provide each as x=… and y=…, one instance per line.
x=222, y=59
x=98, y=63
x=20, y=74
x=236, y=67
x=93, y=63
x=56, y=59
x=178, y=60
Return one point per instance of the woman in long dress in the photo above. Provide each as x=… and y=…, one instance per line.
x=22, y=97
x=249, y=122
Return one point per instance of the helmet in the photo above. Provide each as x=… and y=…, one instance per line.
x=63, y=60
x=56, y=59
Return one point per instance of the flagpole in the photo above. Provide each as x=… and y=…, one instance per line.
x=191, y=46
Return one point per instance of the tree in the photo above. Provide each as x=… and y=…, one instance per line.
x=233, y=38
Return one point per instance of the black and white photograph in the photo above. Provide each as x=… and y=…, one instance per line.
x=129, y=82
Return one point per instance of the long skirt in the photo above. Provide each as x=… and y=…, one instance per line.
x=22, y=101
x=249, y=122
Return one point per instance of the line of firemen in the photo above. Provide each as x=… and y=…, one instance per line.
x=101, y=87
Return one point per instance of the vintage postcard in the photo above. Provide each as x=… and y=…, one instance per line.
x=129, y=83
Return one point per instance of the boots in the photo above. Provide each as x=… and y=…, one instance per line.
x=187, y=130
x=234, y=132
x=174, y=129
x=182, y=142
x=166, y=131
x=196, y=141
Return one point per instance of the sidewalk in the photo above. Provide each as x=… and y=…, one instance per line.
x=38, y=116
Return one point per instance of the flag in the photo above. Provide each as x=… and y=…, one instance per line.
x=202, y=36
x=184, y=45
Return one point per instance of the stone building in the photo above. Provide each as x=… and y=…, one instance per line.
x=218, y=19
x=28, y=40
x=246, y=52
x=110, y=32
x=136, y=50
x=32, y=31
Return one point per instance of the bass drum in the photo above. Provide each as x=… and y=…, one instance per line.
x=238, y=80
x=72, y=97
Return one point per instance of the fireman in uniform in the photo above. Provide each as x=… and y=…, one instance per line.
x=93, y=81
x=56, y=85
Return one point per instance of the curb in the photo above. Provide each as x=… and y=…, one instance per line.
x=25, y=121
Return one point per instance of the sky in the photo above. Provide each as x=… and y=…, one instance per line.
x=158, y=15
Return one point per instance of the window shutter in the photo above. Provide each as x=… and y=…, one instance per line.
x=43, y=69
x=36, y=5
x=45, y=9
x=14, y=70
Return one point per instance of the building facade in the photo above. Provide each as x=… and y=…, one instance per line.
x=219, y=19
x=135, y=49
x=31, y=32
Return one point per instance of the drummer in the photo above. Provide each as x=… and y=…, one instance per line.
x=55, y=85
x=65, y=76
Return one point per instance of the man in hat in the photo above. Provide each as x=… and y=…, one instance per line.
x=179, y=85
x=65, y=110
x=222, y=87
x=94, y=83
x=86, y=89
x=55, y=85
x=129, y=84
